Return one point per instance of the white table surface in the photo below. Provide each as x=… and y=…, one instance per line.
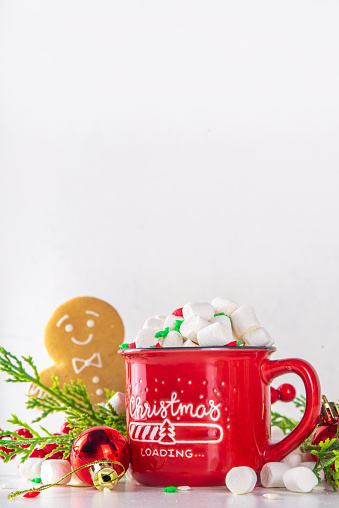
x=128, y=493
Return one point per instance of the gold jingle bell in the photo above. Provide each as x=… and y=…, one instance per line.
x=103, y=475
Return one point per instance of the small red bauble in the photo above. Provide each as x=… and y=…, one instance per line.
x=99, y=443
x=274, y=395
x=65, y=428
x=177, y=312
x=286, y=392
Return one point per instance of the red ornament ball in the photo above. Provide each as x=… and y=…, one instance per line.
x=274, y=395
x=99, y=443
x=286, y=392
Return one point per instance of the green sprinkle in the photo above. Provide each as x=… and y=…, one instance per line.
x=221, y=314
x=239, y=343
x=179, y=322
x=162, y=334
x=123, y=346
x=170, y=489
x=36, y=480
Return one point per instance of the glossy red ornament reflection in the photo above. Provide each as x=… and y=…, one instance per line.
x=99, y=443
x=329, y=420
x=194, y=413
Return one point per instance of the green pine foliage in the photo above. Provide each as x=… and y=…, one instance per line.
x=71, y=399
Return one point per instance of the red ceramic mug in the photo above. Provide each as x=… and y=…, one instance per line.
x=194, y=413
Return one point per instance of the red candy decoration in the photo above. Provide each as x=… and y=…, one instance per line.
x=274, y=395
x=31, y=494
x=99, y=443
x=233, y=343
x=286, y=392
x=177, y=312
x=132, y=345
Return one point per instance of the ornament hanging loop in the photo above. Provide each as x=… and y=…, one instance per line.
x=103, y=475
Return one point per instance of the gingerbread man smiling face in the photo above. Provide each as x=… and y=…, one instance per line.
x=82, y=337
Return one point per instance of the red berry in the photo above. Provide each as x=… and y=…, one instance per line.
x=38, y=453
x=5, y=449
x=274, y=395
x=65, y=428
x=286, y=392
x=177, y=312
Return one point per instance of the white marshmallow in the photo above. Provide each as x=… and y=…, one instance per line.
x=310, y=465
x=221, y=304
x=224, y=320
x=118, y=401
x=190, y=343
x=204, y=310
x=216, y=334
x=277, y=434
x=54, y=469
x=241, y=480
x=154, y=324
x=292, y=459
x=258, y=337
x=300, y=479
x=244, y=320
x=272, y=474
x=173, y=339
x=191, y=326
x=170, y=322
x=161, y=317
x=31, y=468
x=145, y=338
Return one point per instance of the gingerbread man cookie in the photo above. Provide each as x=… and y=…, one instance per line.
x=82, y=337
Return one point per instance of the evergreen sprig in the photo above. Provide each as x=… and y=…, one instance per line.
x=327, y=453
x=71, y=399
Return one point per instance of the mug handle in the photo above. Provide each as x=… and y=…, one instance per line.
x=270, y=369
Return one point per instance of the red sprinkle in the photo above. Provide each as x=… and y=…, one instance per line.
x=177, y=312
x=233, y=343
x=31, y=494
x=132, y=345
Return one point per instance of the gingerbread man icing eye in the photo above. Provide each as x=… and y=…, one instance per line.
x=90, y=323
x=69, y=328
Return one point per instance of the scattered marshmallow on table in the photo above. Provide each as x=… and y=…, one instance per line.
x=257, y=337
x=310, y=465
x=173, y=339
x=216, y=334
x=145, y=338
x=204, y=310
x=31, y=468
x=224, y=305
x=241, y=480
x=244, y=320
x=277, y=434
x=118, y=402
x=54, y=469
x=154, y=324
x=272, y=474
x=292, y=459
x=191, y=326
x=300, y=479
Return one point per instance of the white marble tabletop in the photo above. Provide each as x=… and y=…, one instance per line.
x=128, y=493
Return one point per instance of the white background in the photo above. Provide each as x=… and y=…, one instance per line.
x=155, y=153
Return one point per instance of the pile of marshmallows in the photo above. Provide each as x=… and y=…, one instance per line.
x=219, y=323
x=293, y=473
